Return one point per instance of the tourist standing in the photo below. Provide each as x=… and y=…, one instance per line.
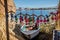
x=21, y=19
x=37, y=21
x=16, y=19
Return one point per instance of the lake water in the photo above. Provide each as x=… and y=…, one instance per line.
x=37, y=12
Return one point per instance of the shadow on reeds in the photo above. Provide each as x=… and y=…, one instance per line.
x=17, y=29
x=2, y=3
x=17, y=32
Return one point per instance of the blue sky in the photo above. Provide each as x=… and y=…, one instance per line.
x=36, y=3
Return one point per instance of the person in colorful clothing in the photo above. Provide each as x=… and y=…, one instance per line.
x=45, y=20
x=26, y=20
x=37, y=21
x=21, y=19
x=16, y=19
x=53, y=19
x=11, y=17
x=47, y=16
x=40, y=20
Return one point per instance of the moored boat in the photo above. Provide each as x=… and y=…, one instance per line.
x=29, y=33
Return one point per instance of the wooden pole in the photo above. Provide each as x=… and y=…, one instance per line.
x=6, y=14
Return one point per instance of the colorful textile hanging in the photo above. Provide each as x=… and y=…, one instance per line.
x=54, y=18
x=41, y=20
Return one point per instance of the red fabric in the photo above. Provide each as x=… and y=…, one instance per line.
x=37, y=21
x=26, y=20
x=54, y=18
x=41, y=20
x=44, y=20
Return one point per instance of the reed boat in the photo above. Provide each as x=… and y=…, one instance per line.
x=29, y=33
